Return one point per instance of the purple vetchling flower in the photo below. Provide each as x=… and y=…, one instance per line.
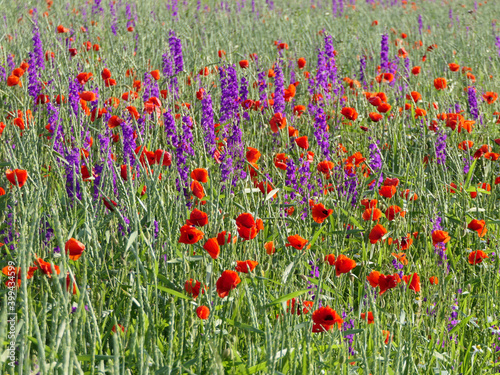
x=72, y=170
x=3, y=73
x=98, y=171
x=497, y=44
x=291, y=179
x=207, y=123
x=176, y=51
x=472, y=99
x=384, y=53
x=347, y=325
x=441, y=148
x=362, y=68
x=229, y=93
x=157, y=229
x=420, y=24
x=112, y=11
x=170, y=128
x=376, y=163
x=243, y=89
x=331, y=66
x=322, y=73
x=128, y=144
x=10, y=62
x=279, y=90
x=96, y=8
x=73, y=97
x=321, y=132
x=262, y=88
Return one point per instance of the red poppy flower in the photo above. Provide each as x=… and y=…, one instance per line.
x=369, y=203
x=197, y=190
x=203, y=312
x=270, y=249
x=225, y=238
x=414, y=281
x=325, y=167
x=477, y=257
x=200, y=175
x=373, y=278
x=386, y=282
x=193, y=287
x=377, y=233
x=228, y=281
x=320, y=213
x=17, y=177
x=190, y=235
x=349, y=113
x=301, y=63
x=244, y=64
x=326, y=316
x=490, y=97
x=75, y=248
x=297, y=242
x=248, y=228
x=244, y=266
x=416, y=70
x=252, y=155
x=440, y=236
x=372, y=214
x=387, y=191
x=375, y=117
x=404, y=243
x=343, y=265
x=212, y=247
x=46, y=267
x=440, y=83
x=434, y=280
x=197, y=218
x=302, y=142
x=370, y=317
x=277, y=122
x=330, y=258
x=454, y=67
x=479, y=226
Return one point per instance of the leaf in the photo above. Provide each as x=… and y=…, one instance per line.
x=271, y=194
x=172, y=292
x=131, y=240
x=351, y=332
x=287, y=297
x=461, y=324
x=316, y=235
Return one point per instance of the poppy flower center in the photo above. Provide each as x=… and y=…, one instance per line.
x=328, y=317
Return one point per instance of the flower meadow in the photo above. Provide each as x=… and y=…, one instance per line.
x=250, y=186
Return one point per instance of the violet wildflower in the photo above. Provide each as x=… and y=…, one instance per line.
x=362, y=68
x=473, y=109
x=112, y=11
x=279, y=90
x=72, y=170
x=207, y=123
x=384, y=53
x=441, y=148
x=321, y=132
x=420, y=24
x=176, y=51
x=128, y=144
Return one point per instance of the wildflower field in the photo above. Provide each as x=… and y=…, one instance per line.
x=250, y=187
